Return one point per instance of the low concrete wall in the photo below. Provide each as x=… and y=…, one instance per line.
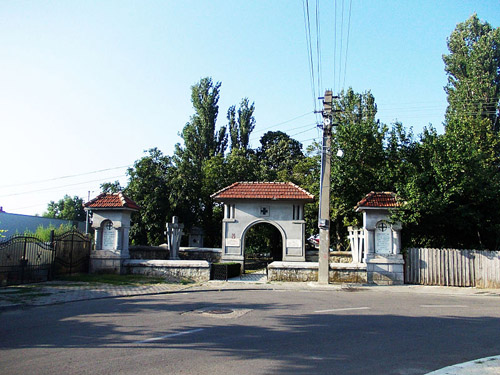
x=175, y=270
x=106, y=261
x=308, y=271
x=335, y=256
x=212, y=255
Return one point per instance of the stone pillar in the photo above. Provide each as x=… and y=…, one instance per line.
x=384, y=262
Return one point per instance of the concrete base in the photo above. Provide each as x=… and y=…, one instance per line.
x=308, y=271
x=175, y=270
x=385, y=269
x=106, y=261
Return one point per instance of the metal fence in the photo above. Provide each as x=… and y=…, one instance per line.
x=28, y=259
x=451, y=267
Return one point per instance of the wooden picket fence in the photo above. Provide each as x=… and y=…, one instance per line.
x=451, y=267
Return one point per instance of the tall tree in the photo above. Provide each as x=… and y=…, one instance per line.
x=202, y=142
x=240, y=128
x=277, y=156
x=473, y=68
x=67, y=208
x=362, y=167
x=149, y=187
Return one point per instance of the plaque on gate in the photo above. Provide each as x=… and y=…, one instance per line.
x=108, y=236
x=383, y=238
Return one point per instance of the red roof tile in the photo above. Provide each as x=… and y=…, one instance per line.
x=379, y=200
x=263, y=190
x=117, y=200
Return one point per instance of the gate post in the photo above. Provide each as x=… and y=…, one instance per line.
x=53, y=262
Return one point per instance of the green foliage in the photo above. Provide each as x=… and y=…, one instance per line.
x=111, y=187
x=263, y=239
x=66, y=209
x=149, y=188
x=473, y=67
x=240, y=129
x=362, y=167
x=43, y=233
x=277, y=156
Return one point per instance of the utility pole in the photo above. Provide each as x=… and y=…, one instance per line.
x=324, y=197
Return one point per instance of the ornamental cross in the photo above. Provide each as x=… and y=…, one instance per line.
x=109, y=225
x=264, y=211
x=382, y=226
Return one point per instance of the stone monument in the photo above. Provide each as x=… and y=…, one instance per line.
x=174, y=234
x=382, y=239
x=111, y=222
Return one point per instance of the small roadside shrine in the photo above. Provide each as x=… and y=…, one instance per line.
x=280, y=204
x=111, y=222
x=382, y=238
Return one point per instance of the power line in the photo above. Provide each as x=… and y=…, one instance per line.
x=318, y=48
x=341, y=39
x=307, y=25
x=347, y=42
x=282, y=123
x=64, y=177
x=59, y=187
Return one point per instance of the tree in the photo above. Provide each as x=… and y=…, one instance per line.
x=201, y=140
x=66, y=208
x=277, y=156
x=149, y=187
x=111, y=187
x=201, y=143
x=473, y=68
x=451, y=190
x=363, y=164
x=241, y=128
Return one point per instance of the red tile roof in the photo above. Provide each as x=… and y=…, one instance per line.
x=117, y=200
x=379, y=200
x=263, y=190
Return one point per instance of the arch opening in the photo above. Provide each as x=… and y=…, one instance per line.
x=262, y=244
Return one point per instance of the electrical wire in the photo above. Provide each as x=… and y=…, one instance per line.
x=62, y=186
x=341, y=39
x=307, y=25
x=64, y=177
x=347, y=42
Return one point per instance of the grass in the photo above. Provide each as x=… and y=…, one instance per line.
x=118, y=279
x=24, y=293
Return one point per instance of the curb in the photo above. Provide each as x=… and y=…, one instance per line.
x=481, y=366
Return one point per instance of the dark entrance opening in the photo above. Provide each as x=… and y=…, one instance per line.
x=263, y=244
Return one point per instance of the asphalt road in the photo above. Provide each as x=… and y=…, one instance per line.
x=252, y=330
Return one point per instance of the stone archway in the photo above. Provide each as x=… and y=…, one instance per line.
x=278, y=203
x=254, y=261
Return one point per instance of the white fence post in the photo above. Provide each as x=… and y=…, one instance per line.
x=356, y=239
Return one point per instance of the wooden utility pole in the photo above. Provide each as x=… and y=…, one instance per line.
x=324, y=197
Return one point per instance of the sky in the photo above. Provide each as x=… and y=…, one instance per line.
x=87, y=86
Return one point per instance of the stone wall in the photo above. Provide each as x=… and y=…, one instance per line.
x=212, y=255
x=308, y=271
x=149, y=252
x=335, y=256
x=173, y=270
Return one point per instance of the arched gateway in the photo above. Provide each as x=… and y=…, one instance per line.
x=280, y=204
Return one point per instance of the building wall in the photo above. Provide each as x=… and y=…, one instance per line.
x=18, y=224
x=286, y=216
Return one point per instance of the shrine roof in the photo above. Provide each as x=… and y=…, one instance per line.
x=378, y=200
x=112, y=201
x=263, y=190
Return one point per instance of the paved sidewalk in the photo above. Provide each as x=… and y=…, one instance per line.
x=55, y=292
